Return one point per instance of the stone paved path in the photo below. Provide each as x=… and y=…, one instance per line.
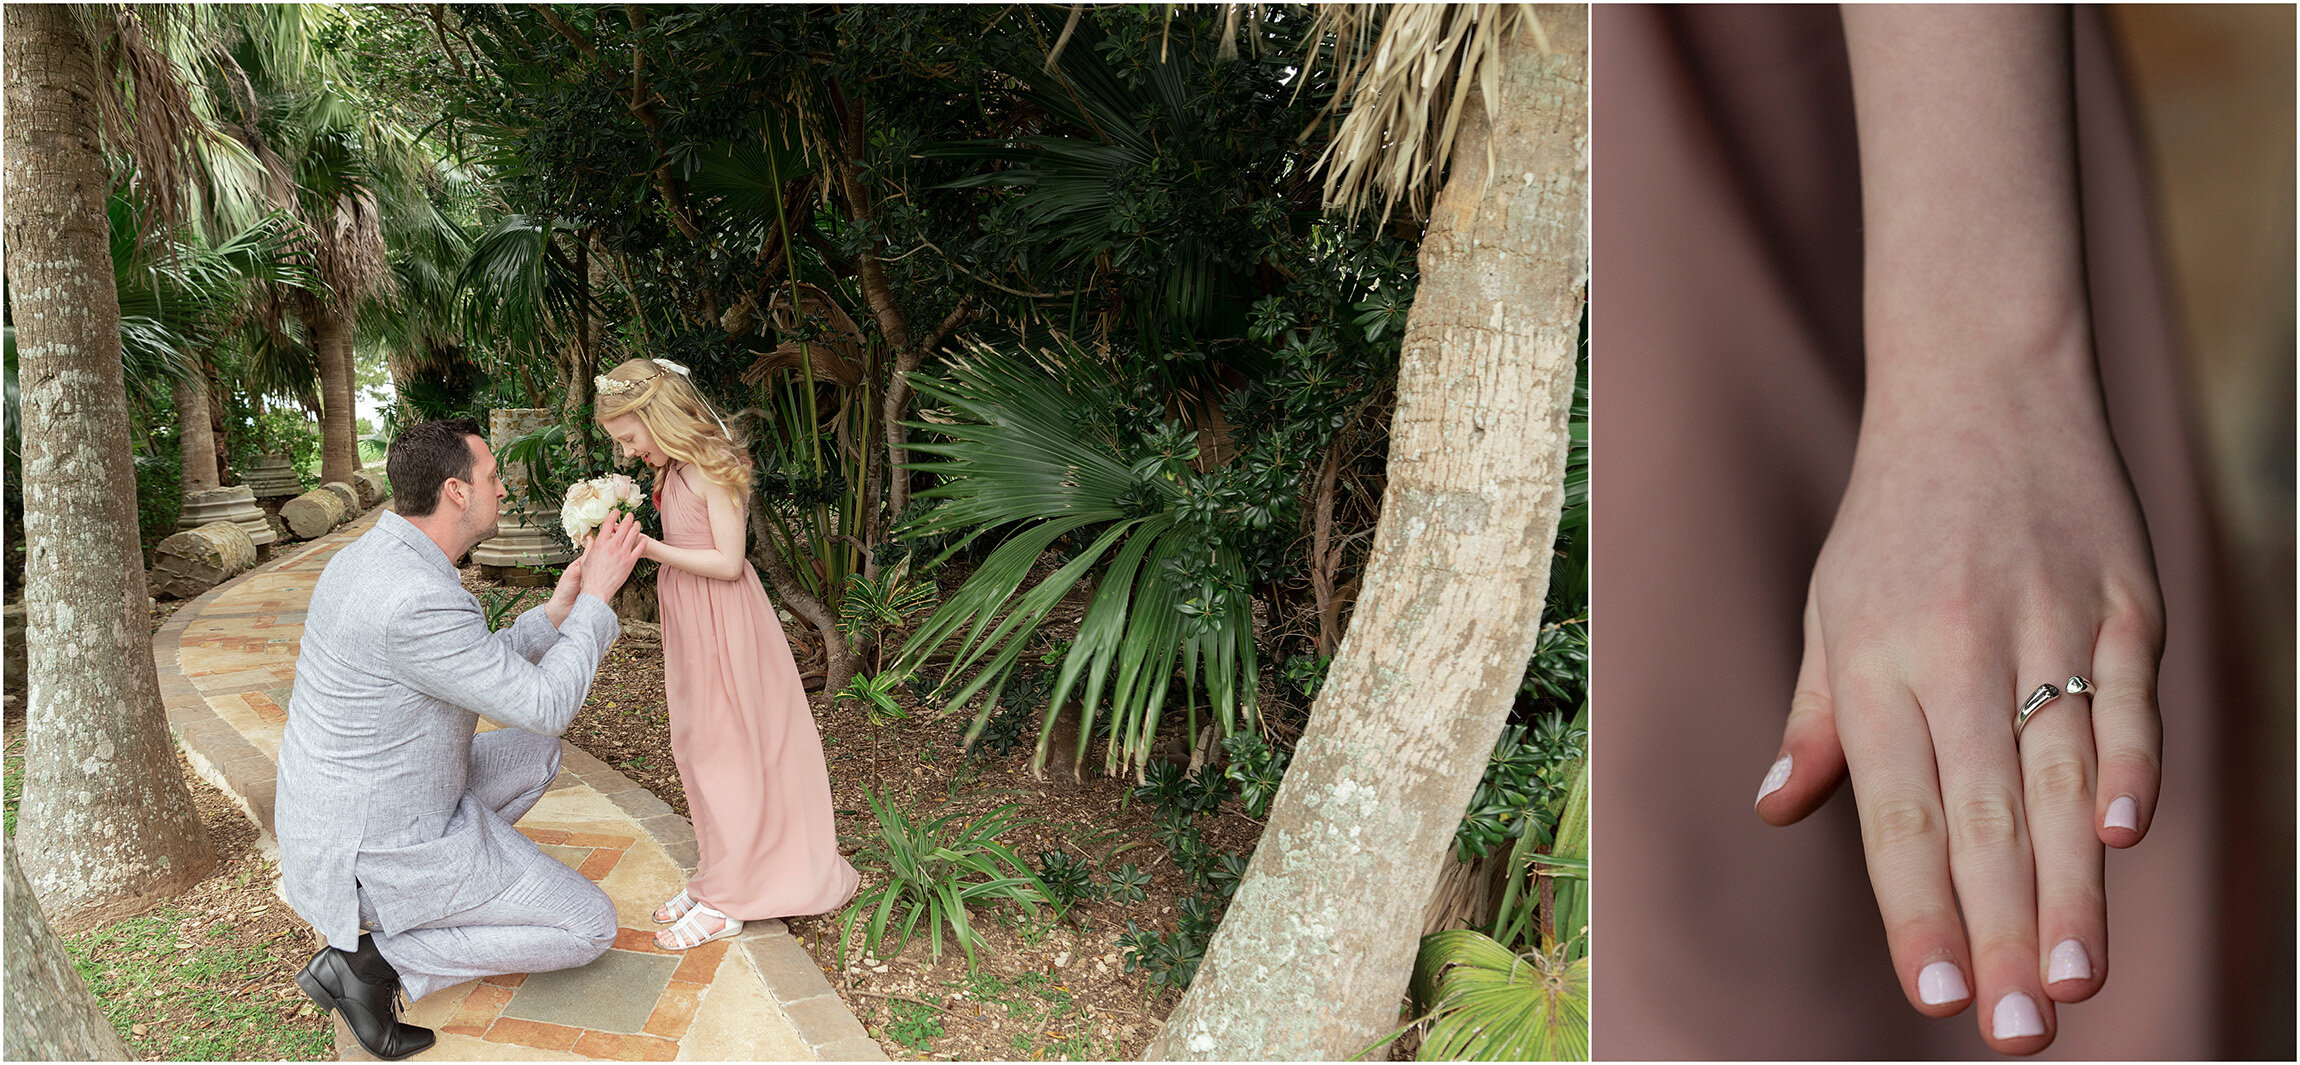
x=227, y=663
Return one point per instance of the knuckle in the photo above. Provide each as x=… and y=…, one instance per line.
x=1807, y=702
x=2005, y=943
x=1988, y=819
x=2059, y=780
x=1915, y=927
x=1902, y=821
x=2078, y=900
x=2143, y=763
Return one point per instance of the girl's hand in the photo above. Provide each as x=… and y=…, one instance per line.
x=1974, y=558
x=1988, y=541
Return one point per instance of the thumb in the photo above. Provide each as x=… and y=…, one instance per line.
x=1812, y=761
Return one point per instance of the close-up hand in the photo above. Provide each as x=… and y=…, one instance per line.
x=1983, y=548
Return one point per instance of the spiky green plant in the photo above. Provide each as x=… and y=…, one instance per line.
x=1031, y=449
x=936, y=872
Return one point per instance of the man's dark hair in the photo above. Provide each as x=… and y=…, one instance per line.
x=423, y=457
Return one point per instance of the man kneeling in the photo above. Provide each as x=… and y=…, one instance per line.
x=394, y=819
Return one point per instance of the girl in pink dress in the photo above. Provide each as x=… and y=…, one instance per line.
x=741, y=731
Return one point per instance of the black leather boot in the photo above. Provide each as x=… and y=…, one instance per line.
x=365, y=989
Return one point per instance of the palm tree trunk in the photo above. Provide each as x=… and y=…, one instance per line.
x=195, y=434
x=107, y=826
x=1313, y=957
x=339, y=446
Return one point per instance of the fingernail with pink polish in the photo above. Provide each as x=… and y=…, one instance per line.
x=2069, y=962
x=2017, y=1017
x=1775, y=778
x=1941, y=983
x=2123, y=813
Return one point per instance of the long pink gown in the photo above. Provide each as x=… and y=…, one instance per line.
x=744, y=738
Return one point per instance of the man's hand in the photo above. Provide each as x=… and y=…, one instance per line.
x=563, y=597
x=608, y=561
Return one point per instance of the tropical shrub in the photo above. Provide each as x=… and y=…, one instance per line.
x=1036, y=443
x=937, y=872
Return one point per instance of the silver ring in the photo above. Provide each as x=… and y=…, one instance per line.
x=2036, y=701
x=2046, y=693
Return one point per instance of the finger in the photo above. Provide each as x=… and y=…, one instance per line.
x=2126, y=726
x=1905, y=839
x=1970, y=714
x=2057, y=776
x=1811, y=762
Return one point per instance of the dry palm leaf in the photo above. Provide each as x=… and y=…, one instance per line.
x=1405, y=91
x=837, y=356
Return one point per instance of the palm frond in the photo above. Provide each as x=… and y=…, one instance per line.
x=1029, y=452
x=1405, y=89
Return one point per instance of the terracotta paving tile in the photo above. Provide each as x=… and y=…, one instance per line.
x=638, y=940
x=601, y=862
x=545, y=835
x=616, y=1047
x=596, y=839
x=701, y=962
x=265, y=708
x=504, y=980
x=675, y=1010
x=533, y=1034
x=479, y=1009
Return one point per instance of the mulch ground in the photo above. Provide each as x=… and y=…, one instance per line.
x=1041, y=989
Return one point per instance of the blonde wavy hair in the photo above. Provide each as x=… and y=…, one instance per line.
x=678, y=417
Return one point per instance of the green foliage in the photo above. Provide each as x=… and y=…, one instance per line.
x=159, y=492
x=504, y=605
x=1256, y=770
x=875, y=610
x=275, y=431
x=1307, y=673
x=936, y=872
x=1127, y=884
x=12, y=782
x=1038, y=446
x=913, y=1024
x=1068, y=880
x=1486, y=1003
x=1524, y=786
x=1519, y=920
x=876, y=694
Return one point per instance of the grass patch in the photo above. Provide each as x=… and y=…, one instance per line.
x=1051, y=1026
x=192, y=997
x=913, y=1025
x=12, y=784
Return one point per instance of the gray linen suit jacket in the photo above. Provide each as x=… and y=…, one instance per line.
x=396, y=667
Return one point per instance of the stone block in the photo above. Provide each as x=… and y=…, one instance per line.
x=314, y=514
x=195, y=560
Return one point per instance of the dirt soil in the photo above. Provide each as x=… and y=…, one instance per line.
x=1041, y=990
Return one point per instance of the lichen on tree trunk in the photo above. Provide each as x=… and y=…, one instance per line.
x=50, y=1014
x=1316, y=950
x=106, y=825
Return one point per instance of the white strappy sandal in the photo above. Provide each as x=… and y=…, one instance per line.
x=684, y=935
x=677, y=907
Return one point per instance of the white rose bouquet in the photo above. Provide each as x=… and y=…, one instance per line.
x=590, y=503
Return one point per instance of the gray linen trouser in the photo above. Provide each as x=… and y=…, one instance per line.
x=549, y=918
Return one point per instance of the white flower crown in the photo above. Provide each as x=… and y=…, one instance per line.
x=615, y=386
